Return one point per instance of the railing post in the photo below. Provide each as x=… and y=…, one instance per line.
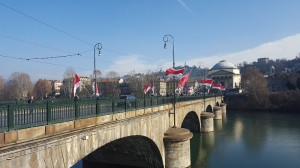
x=97, y=108
x=135, y=103
x=151, y=102
x=10, y=118
x=76, y=110
x=113, y=105
x=49, y=117
x=125, y=105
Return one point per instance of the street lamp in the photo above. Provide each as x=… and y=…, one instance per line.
x=97, y=46
x=166, y=39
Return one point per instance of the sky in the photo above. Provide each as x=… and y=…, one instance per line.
x=45, y=38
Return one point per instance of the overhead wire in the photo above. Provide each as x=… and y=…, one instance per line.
x=44, y=23
x=61, y=31
x=37, y=60
x=33, y=43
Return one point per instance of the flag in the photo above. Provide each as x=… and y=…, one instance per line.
x=190, y=90
x=207, y=82
x=153, y=89
x=216, y=86
x=183, y=80
x=97, y=92
x=174, y=72
x=76, y=84
x=147, y=88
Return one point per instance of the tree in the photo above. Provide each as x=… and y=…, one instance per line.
x=2, y=87
x=137, y=82
x=298, y=83
x=42, y=88
x=290, y=85
x=68, y=82
x=19, y=86
x=112, y=75
x=136, y=85
x=255, y=85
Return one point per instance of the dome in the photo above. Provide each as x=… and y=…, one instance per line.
x=223, y=65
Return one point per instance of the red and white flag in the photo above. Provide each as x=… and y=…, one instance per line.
x=216, y=86
x=147, y=88
x=190, y=90
x=153, y=89
x=178, y=73
x=183, y=80
x=207, y=82
x=97, y=92
x=77, y=83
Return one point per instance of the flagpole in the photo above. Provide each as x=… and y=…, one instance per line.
x=166, y=39
x=99, y=47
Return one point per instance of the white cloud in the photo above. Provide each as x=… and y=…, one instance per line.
x=124, y=65
x=284, y=48
x=183, y=4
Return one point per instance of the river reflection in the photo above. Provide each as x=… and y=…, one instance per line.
x=249, y=139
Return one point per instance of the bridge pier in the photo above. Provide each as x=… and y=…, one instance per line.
x=218, y=113
x=207, y=122
x=223, y=106
x=177, y=147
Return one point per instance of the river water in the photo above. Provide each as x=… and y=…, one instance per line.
x=249, y=139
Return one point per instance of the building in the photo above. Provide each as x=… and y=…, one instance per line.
x=225, y=73
x=263, y=60
x=56, y=87
x=161, y=87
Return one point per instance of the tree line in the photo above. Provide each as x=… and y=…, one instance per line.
x=19, y=85
x=257, y=96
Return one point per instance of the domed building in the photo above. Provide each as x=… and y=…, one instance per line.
x=226, y=74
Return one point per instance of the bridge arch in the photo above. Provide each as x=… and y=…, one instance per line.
x=209, y=108
x=191, y=122
x=131, y=151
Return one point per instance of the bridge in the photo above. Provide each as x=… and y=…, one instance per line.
x=137, y=132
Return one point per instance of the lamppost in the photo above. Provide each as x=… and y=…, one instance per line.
x=97, y=46
x=166, y=39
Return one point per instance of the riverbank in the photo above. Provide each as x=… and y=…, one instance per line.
x=281, y=102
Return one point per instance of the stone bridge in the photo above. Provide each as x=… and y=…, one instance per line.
x=142, y=138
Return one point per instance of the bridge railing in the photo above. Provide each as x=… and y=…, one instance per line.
x=19, y=116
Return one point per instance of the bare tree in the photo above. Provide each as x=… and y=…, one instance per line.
x=137, y=82
x=112, y=75
x=255, y=85
x=2, y=87
x=42, y=88
x=68, y=82
x=19, y=86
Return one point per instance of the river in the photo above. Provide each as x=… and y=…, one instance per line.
x=249, y=139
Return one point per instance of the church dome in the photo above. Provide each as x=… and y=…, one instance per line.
x=223, y=65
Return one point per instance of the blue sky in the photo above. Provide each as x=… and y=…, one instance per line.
x=131, y=32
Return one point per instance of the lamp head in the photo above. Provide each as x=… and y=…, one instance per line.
x=165, y=45
x=99, y=53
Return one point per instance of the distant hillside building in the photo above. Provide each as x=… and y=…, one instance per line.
x=225, y=73
x=263, y=60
